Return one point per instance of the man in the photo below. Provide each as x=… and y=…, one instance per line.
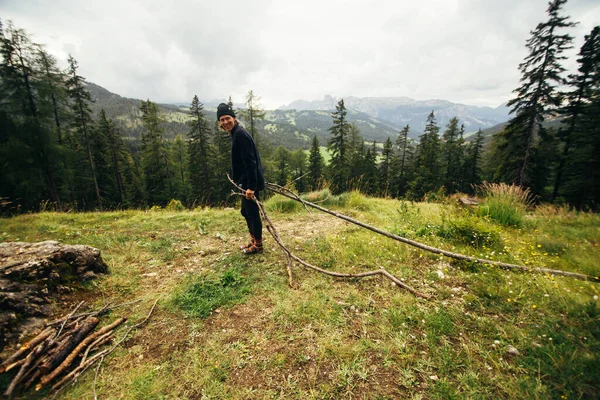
x=247, y=172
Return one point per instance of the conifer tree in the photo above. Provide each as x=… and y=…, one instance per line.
x=428, y=161
x=199, y=148
x=338, y=147
x=221, y=166
x=29, y=149
x=154, y=160
x=537, y=97
x=252, y=114
x=115, y=150
x=298, y=167
x=385, y=167
x=180, y=159
x=370, y=172
x=452, y=151
x=283, y=162
x=52, y=89
x=356, y=152
x=404, y=153
x=472, y=164
x=316, y=166
x=578, y=173
x=82, y=119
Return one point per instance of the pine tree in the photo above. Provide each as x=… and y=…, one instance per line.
x=29, y=151
x=580, y=160
x=356, y=153
x=221, y=165
x=385, y=168
x=82, y=119
x=316, y=166
x=519, y=147
x=452, y=151
x=180, y=159
x=115, y=153
x=338, y=148
x=472, y=164
x=52, y=89
x=154, y=160
x=428, y=161
x=283, y=162
x=404, y=153
x=252, y=114
x=199, y=148
x=370, y=174
x=299, y=172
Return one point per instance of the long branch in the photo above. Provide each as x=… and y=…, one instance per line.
x=282, y=191
x=271, y=228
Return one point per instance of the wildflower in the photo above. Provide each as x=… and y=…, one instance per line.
x=539, y=245
x=534, y=306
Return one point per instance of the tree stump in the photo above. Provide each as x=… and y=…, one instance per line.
x=31, y=273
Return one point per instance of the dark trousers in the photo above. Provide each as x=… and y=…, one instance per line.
x=252, y=215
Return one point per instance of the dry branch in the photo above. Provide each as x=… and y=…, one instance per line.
x=9, y=363
x=98, y=313
x=284, y=192
x=25, y=367
x=66, y=319
x=108, y=336
x=271, y=228
x=71, y=376
x=68, y=345
x=71, y=357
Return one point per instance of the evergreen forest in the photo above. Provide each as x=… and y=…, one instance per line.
x=58, y=152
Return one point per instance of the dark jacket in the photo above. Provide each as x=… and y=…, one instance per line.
x=246, y=168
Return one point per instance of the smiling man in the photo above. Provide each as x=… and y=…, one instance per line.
x=246, y=171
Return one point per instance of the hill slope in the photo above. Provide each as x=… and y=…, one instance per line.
x=230, y=327
x=289, y=128
x=401, y=111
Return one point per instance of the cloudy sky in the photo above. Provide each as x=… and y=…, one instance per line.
x=465, y=51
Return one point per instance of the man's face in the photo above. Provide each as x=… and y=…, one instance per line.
x=227, y=122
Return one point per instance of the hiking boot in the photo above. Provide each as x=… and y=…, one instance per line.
x=252, y=249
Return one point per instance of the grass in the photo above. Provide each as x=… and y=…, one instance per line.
x=229, y=327
x=505, y=204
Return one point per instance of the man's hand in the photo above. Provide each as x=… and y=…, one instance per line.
x=249, y=194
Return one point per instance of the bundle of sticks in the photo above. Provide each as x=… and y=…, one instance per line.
x=64, y=349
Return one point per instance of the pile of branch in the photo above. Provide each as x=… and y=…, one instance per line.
x=62, y=351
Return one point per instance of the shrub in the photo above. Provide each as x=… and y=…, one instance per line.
x=282, y=204
x=469, y=231
x=174, y=205
x=505, y=204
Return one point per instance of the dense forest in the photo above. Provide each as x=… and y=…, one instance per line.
x=57, y=153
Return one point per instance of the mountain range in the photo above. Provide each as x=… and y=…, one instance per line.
x=294, y=125
x=402, y=111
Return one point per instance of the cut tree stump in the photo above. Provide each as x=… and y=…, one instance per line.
x=30, y=273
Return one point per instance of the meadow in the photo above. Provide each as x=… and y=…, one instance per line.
x=229, y=326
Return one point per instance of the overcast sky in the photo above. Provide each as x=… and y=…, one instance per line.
x=465, y=51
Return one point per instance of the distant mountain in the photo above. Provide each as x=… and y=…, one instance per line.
x=289, y=128
x=400, y=111
x=294, y=126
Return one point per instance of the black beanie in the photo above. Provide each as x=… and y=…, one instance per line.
x=224, y=109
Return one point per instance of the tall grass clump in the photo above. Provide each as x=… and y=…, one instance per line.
x=505, y=204
x=282, y=204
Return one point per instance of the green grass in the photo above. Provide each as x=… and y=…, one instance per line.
x=203, y=295
x=229, y=327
